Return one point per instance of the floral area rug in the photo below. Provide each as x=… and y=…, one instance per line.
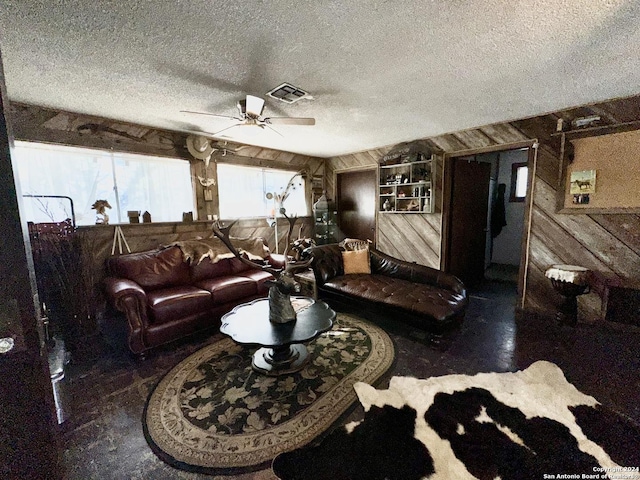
x=213, y=414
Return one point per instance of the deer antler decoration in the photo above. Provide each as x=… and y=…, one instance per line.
x=280, y=289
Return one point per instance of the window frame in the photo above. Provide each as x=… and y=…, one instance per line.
x=514, y=181
x=115, y=158
x=291, y=174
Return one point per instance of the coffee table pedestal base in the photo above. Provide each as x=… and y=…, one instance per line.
x=280, y=360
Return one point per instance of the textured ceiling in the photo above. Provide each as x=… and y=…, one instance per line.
x=381, y=72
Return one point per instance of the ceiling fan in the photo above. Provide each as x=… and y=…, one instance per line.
x=250, y=111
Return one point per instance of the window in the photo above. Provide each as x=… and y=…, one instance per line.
x=243, y=191
x=519, y=176
x=161, y=186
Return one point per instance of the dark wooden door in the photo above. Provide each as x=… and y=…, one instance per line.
x=28, y=445
x=468, y=219
x=356, y=204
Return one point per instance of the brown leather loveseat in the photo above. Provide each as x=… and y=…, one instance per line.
x=165, y=297
x=424, y=297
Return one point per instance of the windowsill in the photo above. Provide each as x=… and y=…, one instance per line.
x=196, y=222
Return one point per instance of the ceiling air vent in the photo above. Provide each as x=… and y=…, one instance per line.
x=288, y=93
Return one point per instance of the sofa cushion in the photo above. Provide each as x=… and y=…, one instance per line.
x=171, y=303
x=356, y=261
x=208, y=269
x=259, y=277
x=229, y=288
x=412, y=297
x=153, y=269
x=238, y=266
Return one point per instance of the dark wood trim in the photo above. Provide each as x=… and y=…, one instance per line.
x=532, y=162
x=29, y=444
x=447, y=180
x=600, y=130
x=447, y=187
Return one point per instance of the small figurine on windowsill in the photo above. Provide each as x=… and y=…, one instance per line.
x=100, y=207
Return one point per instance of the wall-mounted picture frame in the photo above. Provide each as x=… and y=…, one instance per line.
x=583, y=182
x=208, y=195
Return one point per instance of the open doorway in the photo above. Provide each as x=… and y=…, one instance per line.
x=484, y=224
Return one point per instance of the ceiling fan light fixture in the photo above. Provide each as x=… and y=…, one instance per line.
x=254, y=106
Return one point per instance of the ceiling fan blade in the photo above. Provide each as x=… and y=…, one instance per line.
x=254, y=106
x=290, y=121
x=210, y=114
x=220, y=131
x=274, y=130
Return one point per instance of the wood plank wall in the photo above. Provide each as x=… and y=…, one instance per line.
x=609, y=244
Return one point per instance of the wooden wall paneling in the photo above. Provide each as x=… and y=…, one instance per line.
x=624, y=227
x=474, y=137
x=410, y=237
x=448, y=143
x=504, y=133
x=621, y=109
x=589, y=236
x=547, y=164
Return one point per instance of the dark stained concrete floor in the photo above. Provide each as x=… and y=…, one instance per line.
x=104, y=396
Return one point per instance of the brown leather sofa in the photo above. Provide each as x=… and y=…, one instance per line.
x=415, y=294
x=165, y=298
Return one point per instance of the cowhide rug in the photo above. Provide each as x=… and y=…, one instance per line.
x=528, y=424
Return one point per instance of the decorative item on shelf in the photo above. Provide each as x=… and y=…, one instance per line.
x=146, y=217
x=100, y=207
x=401, y=181
x=423, y=175
x=582, y=122
x=187, y=216
x=413, y=206
x=134, y=216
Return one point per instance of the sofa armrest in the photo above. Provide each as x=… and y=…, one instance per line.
x=327, y=262
x=117, y=288
x=130, y=298
x=442, y=279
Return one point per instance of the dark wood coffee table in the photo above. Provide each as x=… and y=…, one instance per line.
x=282, y=345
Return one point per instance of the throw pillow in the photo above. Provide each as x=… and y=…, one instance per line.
x=356, y=261
x=354, y=244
